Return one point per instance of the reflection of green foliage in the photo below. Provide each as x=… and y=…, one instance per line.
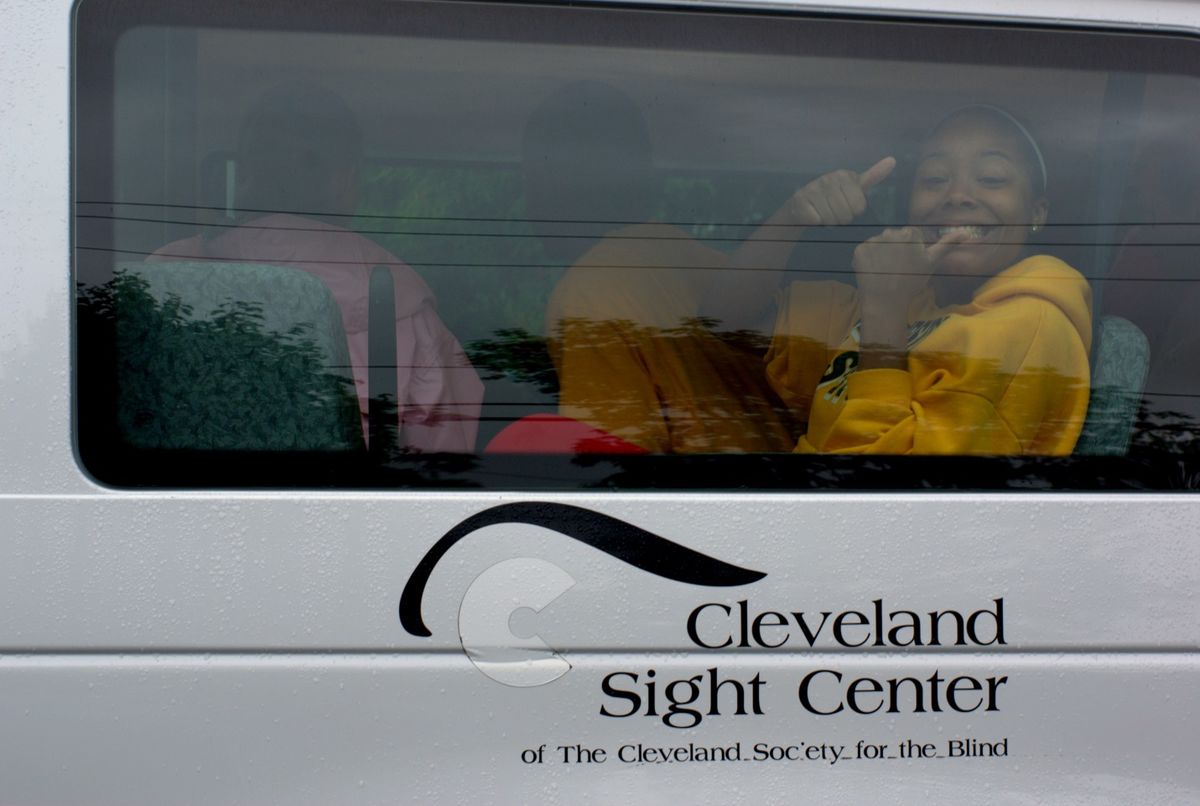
x=727, y=207
x=220, y=382
x=493, y=275
x=517, y=355
x=690, y=200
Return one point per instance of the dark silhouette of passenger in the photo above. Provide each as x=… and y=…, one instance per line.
x=297, y=179
x=587, y=162
x=633, y=283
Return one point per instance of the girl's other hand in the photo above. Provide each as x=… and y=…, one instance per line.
x=838, y=197
x=894, y=266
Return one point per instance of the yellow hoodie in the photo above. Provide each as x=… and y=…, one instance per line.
x=1005, y=374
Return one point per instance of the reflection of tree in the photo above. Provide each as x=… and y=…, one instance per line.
x=221, y=381
x=696, y=388
x=485, y=273
x=613, y=392
x=743, y=340
x=522, y=357
x=515, y=354
x=225, y=382
x=1168, y=440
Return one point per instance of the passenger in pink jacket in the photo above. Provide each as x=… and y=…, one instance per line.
x=298, y=159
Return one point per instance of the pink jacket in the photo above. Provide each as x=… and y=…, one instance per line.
x=440, y=392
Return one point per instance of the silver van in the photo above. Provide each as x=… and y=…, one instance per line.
x=431, y=401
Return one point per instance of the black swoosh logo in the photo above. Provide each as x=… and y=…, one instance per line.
x=622, y=540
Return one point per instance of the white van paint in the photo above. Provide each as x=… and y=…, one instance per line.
x=244, y=647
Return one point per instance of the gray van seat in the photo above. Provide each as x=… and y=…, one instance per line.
x=1120, y=363
x=231, y=356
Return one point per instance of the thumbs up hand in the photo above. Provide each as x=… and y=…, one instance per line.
x=838, y=197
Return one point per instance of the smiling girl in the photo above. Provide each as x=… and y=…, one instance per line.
x=956, y=339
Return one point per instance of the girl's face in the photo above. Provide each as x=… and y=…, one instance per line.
x=973, y=178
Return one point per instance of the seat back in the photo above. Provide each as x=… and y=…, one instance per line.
x=231, y=356
x=1120, y=363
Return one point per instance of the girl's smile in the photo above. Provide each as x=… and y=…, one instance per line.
x=974, y=184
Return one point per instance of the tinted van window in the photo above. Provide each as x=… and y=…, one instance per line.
x=484, y=246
